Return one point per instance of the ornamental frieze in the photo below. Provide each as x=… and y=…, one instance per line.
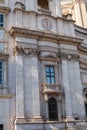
x=25, y=51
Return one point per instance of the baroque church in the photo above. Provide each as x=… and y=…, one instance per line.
x=43, y=64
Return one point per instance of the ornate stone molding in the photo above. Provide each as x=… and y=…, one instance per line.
x=4, y=56
x=4, y=9
x=69, y=56
x=25, y=51
x=51, y=89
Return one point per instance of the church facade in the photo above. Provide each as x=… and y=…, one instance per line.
x=43, y=65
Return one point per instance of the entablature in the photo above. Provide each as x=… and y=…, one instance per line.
x=15, y=31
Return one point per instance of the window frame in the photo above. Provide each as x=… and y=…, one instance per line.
x=50, y=75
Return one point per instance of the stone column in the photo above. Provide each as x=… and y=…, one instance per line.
x=59, y=107
x=79, y=93
x=83, y=12
x=51, y=7
x=31, y=5
x=66, y=85
x=46, y=106
x=35, y=89
x=57, y=8
x=77, y=13
x=18, y=14
x=19, y=87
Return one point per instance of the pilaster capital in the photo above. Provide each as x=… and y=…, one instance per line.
x=69, y=56
x=18, y=50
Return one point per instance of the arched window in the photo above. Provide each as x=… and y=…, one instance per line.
x=52, y=106
x=43, y=4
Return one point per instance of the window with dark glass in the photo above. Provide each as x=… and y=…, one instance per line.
x=1, y=126
x=1, y=20
x=43, y=4
x=1, y=72
x=50, y=75
x=86, y=109
x=52, y=105
x=86, y=95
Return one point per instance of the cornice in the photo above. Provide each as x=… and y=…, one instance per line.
x=81, y=30
x=43, y=35
x=83, y=64
x=82, y=49
x=4, y=9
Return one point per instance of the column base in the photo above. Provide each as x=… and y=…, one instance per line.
x=22, y=120
x=37, y=119
x=68, y=118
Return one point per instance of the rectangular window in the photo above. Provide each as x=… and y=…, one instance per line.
x=1, y=20
x=50, y=75
x=1, y=73
x=1, y=126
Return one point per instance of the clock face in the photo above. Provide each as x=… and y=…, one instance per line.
x=46, y=24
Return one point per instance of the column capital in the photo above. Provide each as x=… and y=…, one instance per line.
x=18, y=50
x=69, y=56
